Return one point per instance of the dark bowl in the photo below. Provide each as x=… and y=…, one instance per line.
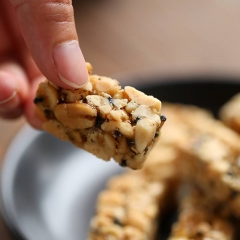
x=49, y=187
x=206, y=92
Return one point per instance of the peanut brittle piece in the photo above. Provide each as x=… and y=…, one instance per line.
x=130, y=206
x=102, y=118
x=196, y=221
x=206, y=159
x=198, y=120
x=128, y=209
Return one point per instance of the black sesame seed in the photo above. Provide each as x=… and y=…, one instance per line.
x=156, y=135
x=81, y=97
x=38, y=100
x=130, y=142
x=230, y=173
x=136, y=120
x=123, y=163
x=47, y=113
x=63, y=97
x=110, y=99
x=133, y=151
x=117, y=133
x=117, y=222
x=163, y=118
x=146, y=150
x=99, y=121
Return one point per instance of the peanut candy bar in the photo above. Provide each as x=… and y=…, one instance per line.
x=208, y=160
x=130, y=206
x=196, y=221
x=230, y=113
x=198, y=121
x=102, y=118
x=128, y=209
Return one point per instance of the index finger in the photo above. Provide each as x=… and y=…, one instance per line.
x=48, y=28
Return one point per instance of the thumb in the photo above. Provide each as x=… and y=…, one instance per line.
x=49, y=31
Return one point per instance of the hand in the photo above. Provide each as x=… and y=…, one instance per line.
x=38, y=37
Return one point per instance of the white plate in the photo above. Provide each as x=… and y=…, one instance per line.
x=49, y=187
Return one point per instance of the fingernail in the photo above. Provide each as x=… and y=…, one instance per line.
x=70, y=64
x=10, y=103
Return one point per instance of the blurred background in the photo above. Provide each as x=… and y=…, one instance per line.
x=167, y=38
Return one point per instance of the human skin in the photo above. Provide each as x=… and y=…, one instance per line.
x=38, y=40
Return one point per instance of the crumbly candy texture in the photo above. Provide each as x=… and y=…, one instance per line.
x=130, y=206
x=102, y=118
x=209, y=156
x=128, y=209
x=230, y=113
x=196, y=221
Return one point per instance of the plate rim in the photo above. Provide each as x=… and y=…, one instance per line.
x=9, y=166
